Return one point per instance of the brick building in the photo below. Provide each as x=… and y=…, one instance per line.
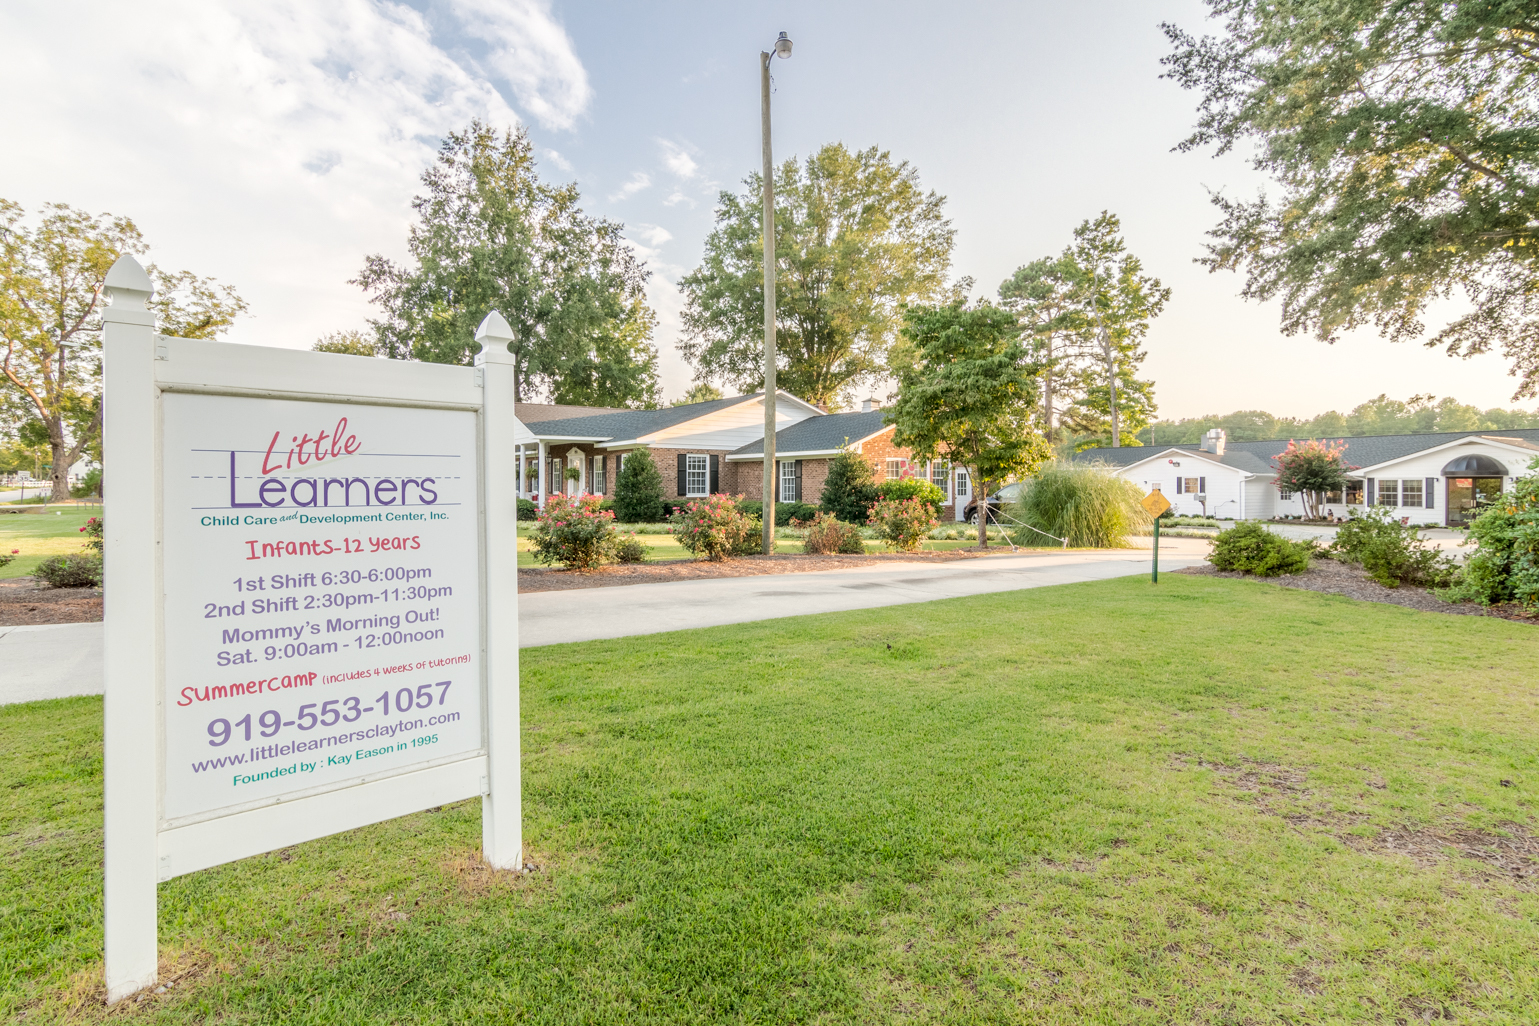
x=705, y=448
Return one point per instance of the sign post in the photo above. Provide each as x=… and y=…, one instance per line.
x=311, y=603
x=1156, y=504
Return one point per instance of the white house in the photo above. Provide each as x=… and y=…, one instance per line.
x=1434, y=479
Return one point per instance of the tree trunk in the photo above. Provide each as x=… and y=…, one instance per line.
x=982, y=489
x=59, y=450
x=1047, y=397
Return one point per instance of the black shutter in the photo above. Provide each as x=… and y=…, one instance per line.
x=1178, y=486
x=1368, y=484
x=683, y=478
x=715, y=474
x=1202, y=485
x=1430, y=490
x=798, y=480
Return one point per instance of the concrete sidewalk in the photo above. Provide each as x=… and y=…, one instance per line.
x=59, y=661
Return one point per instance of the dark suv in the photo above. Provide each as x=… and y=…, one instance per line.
x=1006, y=493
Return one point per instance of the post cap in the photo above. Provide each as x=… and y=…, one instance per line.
x=494, y=334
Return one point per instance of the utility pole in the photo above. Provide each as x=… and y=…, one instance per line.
x=782, y=48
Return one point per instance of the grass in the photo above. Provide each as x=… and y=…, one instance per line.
x=40, y=535
x=1100, y=803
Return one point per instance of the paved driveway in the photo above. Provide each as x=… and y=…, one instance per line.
x=63, y=660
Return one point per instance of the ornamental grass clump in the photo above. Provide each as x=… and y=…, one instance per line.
x=903, y=523
x=574, y=532
x=1393, y=553
x=714, y=527
x=1084, y=502
x=826, y=534
x=1253, y=549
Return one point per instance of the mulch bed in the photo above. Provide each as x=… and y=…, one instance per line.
x=24, y=602
x=1333, y=578
x=536, y=579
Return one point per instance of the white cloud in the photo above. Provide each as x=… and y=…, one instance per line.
x=677, y=160
x=652, y=234
x=675, y=198
x=558, y=160
x=638, y=181
x=271, y=145
x=532, y=53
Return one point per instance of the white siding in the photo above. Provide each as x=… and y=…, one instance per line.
x=1430, y=465
x=730, y=428
x=1261, y=502
x=1224, y=484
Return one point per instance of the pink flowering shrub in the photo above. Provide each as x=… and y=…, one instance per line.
x=574, y=531
x=93, y=532
x=716, y=528
x=7, y=557
x=903, y=523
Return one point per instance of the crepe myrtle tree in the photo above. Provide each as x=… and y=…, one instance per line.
x=969, y=394
x=1312, y=469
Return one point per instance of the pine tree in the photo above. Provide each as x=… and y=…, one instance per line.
x=639, y=490
x=850, y=488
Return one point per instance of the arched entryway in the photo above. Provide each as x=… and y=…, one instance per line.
x=1472, y=481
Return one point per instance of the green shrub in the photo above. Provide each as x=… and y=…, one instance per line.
x=639, y=490
x=1392, y=553
x=1086, y=503
x=850, y=488
x=627, y=548
x=89, y=485
x=528, y=510
x=899, y=489
x=573, y=532
x=714, y=527
x=1252, y=548
x=903, y=523
x=1505, y=568
x=827, y=534
x=785, y=512
x=76, y=570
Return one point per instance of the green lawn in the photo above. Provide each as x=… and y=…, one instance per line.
x=1100, y=803
x=40, y=535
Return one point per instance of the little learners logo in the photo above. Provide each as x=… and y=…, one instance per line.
x=324, y=491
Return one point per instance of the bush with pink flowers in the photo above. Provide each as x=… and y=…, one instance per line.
x=574, y=531
x=716, y=528
x=903, y=523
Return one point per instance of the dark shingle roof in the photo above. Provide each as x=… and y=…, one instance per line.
x=1362, y=451
x=538, y=413
x=631, y=423
x=820, y=434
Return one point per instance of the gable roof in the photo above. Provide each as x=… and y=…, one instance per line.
x=827, y=433
x=538, y=413
x=1245, y=462
x=632, y=423
x=1361, y=451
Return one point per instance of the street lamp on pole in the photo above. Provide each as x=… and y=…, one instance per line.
x=782, y=49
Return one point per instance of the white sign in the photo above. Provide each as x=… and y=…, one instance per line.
x=321, y=597
x=305, y=553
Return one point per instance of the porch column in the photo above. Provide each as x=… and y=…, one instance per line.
x=519, y=488
x=540, y=481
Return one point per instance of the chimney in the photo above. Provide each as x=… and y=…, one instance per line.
x=868, y=405
x=1213, y=441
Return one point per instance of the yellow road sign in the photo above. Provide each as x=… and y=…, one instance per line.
x=1156, y=503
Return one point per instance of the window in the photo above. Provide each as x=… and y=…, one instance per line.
x=596, y=476
x=1410, y=493
x=1354, y=493
x=1389, y=492
x=895, y=469
x=788, y=481
x=1284, y=494
x=1191, y=485
x=964, y=487
x=940, y=476
x=696, y=475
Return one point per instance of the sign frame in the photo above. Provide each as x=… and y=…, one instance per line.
x=141, y=848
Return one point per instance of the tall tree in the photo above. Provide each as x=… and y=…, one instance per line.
x=1405, y=136
x=491, y=235
x=1118, y=301
x=1046, y=296
x=51, y=278
x=969, y=395
x=856, y=239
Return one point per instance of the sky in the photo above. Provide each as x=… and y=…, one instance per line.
x=273, y=146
